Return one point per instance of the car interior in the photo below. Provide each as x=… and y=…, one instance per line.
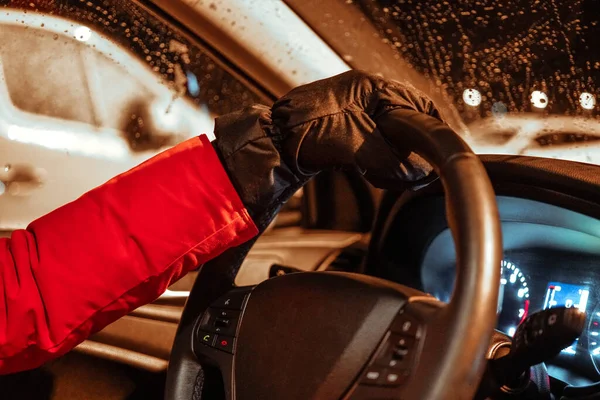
x=481, y=282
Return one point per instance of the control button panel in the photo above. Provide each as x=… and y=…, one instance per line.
x=224, y=343
x=206, y=338
x=397, y=355
x=234, y=300
x=397, y=352
x=407, y=325
x=224, y=322
x=373, y=375
x=217, y=327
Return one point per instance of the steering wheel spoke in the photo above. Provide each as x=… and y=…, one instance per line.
x=371, y=342
x=216, y=334
x=396, y=365
x=350, y=336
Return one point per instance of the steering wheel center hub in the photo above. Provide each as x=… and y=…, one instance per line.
x=339, y=317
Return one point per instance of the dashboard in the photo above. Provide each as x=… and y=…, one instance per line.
x=551, y=258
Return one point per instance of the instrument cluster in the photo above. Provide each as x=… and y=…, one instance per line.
x=524, y=291
x=515, y=302
x=551, y=259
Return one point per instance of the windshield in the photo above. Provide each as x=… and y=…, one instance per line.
x=523, y=75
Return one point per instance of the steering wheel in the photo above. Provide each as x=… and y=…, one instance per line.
x=326, y=335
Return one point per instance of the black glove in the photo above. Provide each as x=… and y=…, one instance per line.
x=269, y=153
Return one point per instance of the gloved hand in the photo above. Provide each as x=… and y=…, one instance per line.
x=269, y=153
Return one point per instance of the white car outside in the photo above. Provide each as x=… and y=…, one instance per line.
x=66, y=92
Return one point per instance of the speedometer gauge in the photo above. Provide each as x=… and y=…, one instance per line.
x=513, y=299
x=594, y=337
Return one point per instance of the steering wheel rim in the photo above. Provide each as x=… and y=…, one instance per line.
x=461, y=330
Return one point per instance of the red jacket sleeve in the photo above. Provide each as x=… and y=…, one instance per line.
x=86, y=264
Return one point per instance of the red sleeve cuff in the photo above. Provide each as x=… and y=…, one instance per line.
x=117, y=247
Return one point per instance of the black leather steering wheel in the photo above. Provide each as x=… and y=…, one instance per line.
x=346, y=336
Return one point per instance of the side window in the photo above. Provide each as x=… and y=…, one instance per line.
x=112, y=65
x=40, y=82
x=88, y=89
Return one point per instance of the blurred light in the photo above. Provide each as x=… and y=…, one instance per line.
x=164, y=116
x=15, y=189
x=499, y=109
x=539, y=99
x=585, y=295
x=587, y=100
x=83, y=33
x=75, y=142
x=192, y=83
x=472, y=97
x=511, y=331
x=2, y=188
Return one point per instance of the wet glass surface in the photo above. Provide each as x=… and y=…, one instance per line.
x=111, y=64
x=506, y=50
x=90, y=88
x=528, y=67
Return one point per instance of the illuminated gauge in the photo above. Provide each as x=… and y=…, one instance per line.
x=560, y=294
x=513, y=300
x=594, y=337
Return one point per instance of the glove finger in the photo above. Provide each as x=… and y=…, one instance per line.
x=363, y=146
x=386, y=167
x=329, y=123
x=392, y=95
